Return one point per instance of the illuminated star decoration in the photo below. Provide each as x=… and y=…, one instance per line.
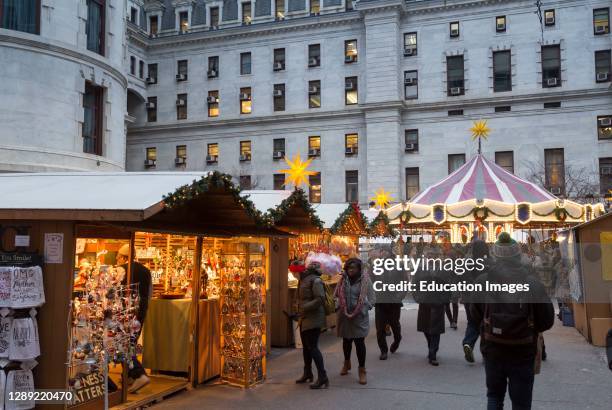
x=381, y=198
x=297, y=173
x=480, y=130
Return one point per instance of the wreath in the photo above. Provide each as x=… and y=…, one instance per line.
x=480, y=214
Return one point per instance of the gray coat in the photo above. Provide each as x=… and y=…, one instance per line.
x=311, y=297
x=358, y=325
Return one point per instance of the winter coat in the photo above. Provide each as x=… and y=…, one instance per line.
x=395, y=277
x=430, y=317
x=609, y=348
x=359, y=324
x=513, y=271
x=311, y=297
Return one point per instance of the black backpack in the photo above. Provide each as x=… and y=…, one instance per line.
x=509, y=324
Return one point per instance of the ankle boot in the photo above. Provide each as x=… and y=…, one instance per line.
x=306, y=377
x=321, y=383
x=362, y=376
x=345, y=368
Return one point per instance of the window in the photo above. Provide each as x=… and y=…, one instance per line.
x=314, y=7
x=314, y=146
x=94, y=27
x=454, y=112
x=245, y=63
x=350, y=51
x=20, y=15
x=411, y=89
x=214, y=17
x=412, y=182
x=279, y=8
x=605, y=175
x=213, y=103
x=279, y=59
x=132, y=65
x=554, y=104
x=348, y=5
x=351, y=144
x=350, y=91
x=314, y=192
x=500, y=24
x=352, y=186
x=455, y=161
x=503, y=108
x=279, y=181
x=153, y=25
x=245, y=182
x=314, y=94
x=502, y=71
x=549, y=18
x=245, y=151
x=602, y=66
x=314, y=55
x=505, y=159
x=551, y=66
x=279, y=97
x=93, y=114
x=141, y=69
x=245, y=100
x=181, y=107
x=604, y=127
x=278, y=148
x=411, y=140
x=212, y=153
x=601, y=21
x=152, y=77
x=246, y=13
x=181, y=155
x=181, y=70
x=213, y=67
x=134, y=15
x=183, y=22
x=554, y=170
x=455, y=81
x=410, y=44
x=151, y=109
x=150, y=157
x=454, y=29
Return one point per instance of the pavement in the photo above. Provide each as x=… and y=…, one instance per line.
x=575, y=376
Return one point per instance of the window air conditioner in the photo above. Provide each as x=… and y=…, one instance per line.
x=602, y=76
x=245, y=157
x=549, y=21
x=501, y=27
x=181, y=77
x=314, y=152
x=180, y=161
x=351, y=150
x=278, y=154
x=210, y=159
x=212, y=100
x=455, y=90
x=278, y=66
x=410, y=147
x=606, y=171
x=180, y=102
x=410, y=81
x=350, y=58
x=212, y=73
x=551, y=82
x=349, y=86
x=151, y=80
x=409, y=51
x=313, y=62
x=150, y=106
x=277, y=93
x=454, y=33
x=600, y=29
x=605, y=122
x=244, y=97
x=149, y=163
x=313, y=90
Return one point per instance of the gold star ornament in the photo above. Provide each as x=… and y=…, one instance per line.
x=480, y=130
x=297, y=173
x=381, y=198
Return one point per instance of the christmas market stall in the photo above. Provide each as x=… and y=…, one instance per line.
x=197, y=283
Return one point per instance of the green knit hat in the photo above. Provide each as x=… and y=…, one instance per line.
x=506, y=247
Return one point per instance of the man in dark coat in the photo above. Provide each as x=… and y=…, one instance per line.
x=479, y=250
x=510, y=324
x=609, y=348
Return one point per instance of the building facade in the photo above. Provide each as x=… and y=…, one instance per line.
x=63, y=87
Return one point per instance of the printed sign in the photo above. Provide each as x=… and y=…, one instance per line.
x=22, y=240
x=88, y=387
x=54, y=247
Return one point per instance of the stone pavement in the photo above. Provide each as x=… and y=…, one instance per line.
x=575, y=376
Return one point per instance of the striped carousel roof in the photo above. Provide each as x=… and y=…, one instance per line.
x=482, y=179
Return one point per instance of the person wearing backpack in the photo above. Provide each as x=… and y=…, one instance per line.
x=311, y=314
x=355, y=298
x=510, y=325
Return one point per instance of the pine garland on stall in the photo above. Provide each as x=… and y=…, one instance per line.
x=297, y=197
x=381, y=226
x=351, y=211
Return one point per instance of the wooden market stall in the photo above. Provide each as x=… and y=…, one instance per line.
x=208, y=249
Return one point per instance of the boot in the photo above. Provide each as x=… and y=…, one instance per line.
x=362, y=376
x=321, y=383
x=306, y=377
x=345, y=368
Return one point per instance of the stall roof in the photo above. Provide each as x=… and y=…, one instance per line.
x=266, y=199
x=592, y=221
x=329, y=213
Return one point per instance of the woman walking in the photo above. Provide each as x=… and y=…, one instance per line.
x=311, y=312
x=355, y=298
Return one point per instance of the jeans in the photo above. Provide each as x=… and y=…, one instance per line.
x=136, y=370
x=387, y=314
x=433, y=344
x=360, y=347
x=310, y=351
x=452, y=317
x=471, y=331
x=517, y=375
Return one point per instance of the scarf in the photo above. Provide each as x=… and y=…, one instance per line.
x=341, y=294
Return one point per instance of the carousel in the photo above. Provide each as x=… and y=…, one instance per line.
x=481, y=199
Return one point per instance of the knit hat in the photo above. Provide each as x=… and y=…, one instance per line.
x=506, y=247
x=124, y=250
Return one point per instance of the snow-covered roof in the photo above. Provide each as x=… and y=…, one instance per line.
x=328, y=213
x=90, y=190
x=266, y=199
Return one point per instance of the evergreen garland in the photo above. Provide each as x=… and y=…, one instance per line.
x=381, y=223
x=351, y=210
x=297, y=197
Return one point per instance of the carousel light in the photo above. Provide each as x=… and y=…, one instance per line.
x=297, y=173
x=480, y=130
x=381, y=198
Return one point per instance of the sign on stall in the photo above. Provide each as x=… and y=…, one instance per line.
x=54, y=248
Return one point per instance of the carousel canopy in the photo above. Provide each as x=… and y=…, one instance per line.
x=481, y=179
